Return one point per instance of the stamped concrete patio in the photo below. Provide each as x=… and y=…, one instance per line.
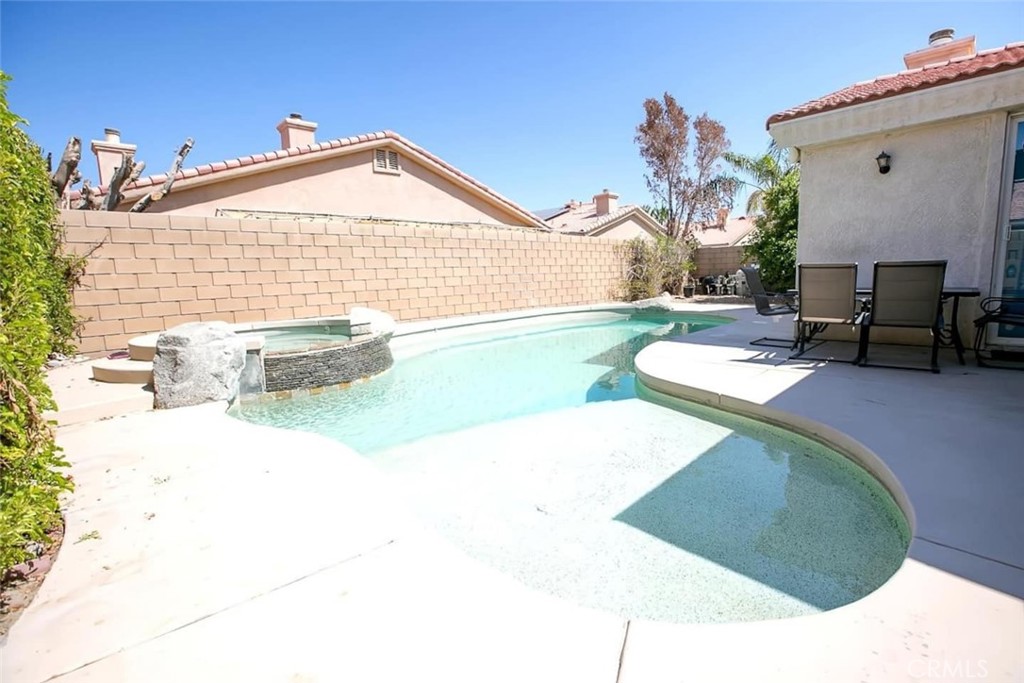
x=199, y=547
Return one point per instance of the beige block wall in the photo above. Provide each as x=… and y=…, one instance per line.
x=718, y=260
x=155, y=271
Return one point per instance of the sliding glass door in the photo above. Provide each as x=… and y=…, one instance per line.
x=1010, y=280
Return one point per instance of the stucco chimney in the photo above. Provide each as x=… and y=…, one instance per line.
x=606, y=202
x=295, y=132
x=942, y=47
x=110, y=151
x=721, y=217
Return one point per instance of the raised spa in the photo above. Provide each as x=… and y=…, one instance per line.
x=528, y=447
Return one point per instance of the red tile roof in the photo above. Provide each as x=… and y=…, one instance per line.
x=962, y=68
x=312, y=151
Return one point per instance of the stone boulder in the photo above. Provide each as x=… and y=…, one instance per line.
x=371, y=321
x=197, y=363
x=658, y=303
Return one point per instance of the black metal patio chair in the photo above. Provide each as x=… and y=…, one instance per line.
x=763, y=303
x=997, y=310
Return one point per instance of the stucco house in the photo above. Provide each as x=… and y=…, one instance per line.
x=380, y=175
x=602, y=217
x=918, y=164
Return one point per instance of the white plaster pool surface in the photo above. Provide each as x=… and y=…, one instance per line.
x=648, y=512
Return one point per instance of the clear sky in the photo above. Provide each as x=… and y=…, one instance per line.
x=540, y=101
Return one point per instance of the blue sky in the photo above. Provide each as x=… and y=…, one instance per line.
x=540, y=101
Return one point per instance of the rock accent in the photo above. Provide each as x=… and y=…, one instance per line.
x=371, y=321
x=323, y=367
x=658, y=303
x=197, y=363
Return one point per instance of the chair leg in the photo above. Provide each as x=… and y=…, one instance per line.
x=979, y=340
x=935, y=350
x=862, y=347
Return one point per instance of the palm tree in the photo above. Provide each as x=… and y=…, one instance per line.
x=763, y=172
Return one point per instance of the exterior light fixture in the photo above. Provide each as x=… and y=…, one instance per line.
x=883, y=162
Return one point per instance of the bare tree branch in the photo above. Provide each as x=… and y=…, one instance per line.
x=67, y=169
x=122, y=175
x=165, y=189
x=89, y=200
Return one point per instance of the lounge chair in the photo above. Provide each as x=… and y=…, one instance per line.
x=828, y=296
x=906, y=294
x=763, y=304
x=996, y=310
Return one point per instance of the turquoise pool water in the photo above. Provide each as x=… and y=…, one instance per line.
x=481, y=380
x=532, y=452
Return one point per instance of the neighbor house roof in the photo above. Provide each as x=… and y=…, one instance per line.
x=734, y=232
x=983, y=63
x=212, y=172
x=582, y=219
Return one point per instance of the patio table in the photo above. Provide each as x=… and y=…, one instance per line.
x=955, y=293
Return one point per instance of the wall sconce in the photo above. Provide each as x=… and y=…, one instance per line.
x=883, y=162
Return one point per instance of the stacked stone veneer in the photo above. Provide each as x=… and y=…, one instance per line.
x=330, y=366
x=155, y=271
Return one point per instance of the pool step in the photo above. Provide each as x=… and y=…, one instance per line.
x=144, y=347
x=123, y=371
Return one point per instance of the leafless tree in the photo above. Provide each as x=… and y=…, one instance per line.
x=689, y=185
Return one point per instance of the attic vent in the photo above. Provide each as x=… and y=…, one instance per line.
x=385, y=161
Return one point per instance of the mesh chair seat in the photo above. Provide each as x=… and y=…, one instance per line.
x=906, y=294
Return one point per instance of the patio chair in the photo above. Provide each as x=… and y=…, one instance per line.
x=828, y=296
x=997, y=310
x=906, y=294
x=763, y=304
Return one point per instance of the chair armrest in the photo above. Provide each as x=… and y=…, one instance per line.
x=1004, y=309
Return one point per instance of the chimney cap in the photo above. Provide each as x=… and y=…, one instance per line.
x=943, y=35
x=295, y=115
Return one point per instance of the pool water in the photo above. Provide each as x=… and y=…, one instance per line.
x=480, y=381
x=299, y=339
x=533, y=453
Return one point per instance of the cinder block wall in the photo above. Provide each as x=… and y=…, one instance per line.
x=155, y=271
x=718, y=260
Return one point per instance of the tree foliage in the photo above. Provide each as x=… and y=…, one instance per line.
x=35, y=320
x=687, y=183
x=762, y=173
x=773, y=244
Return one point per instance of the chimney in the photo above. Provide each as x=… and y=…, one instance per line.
x=942, y=47
x=607, y=202
x=722, y=217
x=110, y=152
x=295, y=132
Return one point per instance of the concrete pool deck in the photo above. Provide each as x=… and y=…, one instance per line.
x=199, y=547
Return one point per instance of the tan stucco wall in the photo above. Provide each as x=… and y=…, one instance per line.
x=343, y=185
x=626, y=230
x=154, y=271
x=939, y=201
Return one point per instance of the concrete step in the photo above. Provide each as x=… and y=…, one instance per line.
x=144, y=347
x=123, y=371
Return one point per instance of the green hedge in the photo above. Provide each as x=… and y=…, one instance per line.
x=35, y=319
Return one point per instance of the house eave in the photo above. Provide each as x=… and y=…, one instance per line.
x=1003, y=91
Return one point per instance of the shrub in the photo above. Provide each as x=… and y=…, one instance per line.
x=35, y=320
x=651, y=267
x=773, y=245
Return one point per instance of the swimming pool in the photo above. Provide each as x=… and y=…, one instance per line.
x=530, y=450
x=480, y=378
